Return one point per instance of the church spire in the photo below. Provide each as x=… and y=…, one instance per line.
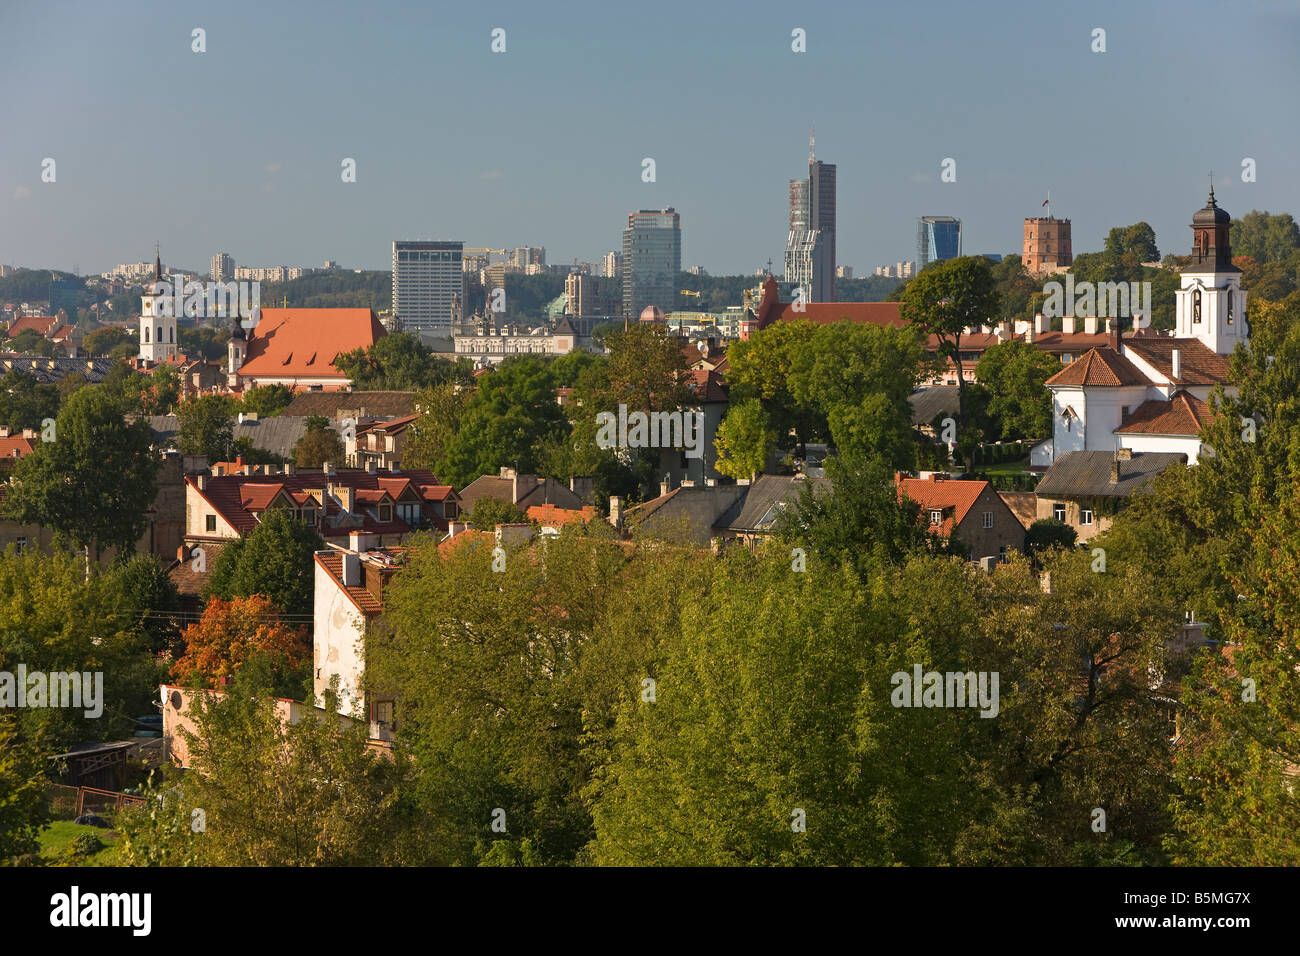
x=157, y=263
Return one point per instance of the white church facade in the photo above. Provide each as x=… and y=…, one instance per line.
x=1149, y=392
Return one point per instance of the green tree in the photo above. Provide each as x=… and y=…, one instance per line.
x=1265, y=237
x=275, y=560
x=1046, y=534
x=267, y=400
x=399, y=361
x=945, y=300
x=1136, y=243
x=103, y=340
x=318, y=445
x=508, y=421
x=207, y=427
x=744, y=440
x=440, y=409
x=31, y=342
x=25, y=403
x=1237, y=803
x=93, y=484
x=1020, y=404
x=490, y=512
x=310, y=793
x=24, y=811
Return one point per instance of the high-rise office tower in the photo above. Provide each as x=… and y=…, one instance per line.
x=937, y=238
x=652, y=260
x=223, y=267
x=610, y=263
x=427, y=276
x=810, y=245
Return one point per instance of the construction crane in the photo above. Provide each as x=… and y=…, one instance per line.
x=479, y=250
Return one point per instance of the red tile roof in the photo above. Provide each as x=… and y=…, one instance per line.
x=552, y=515
x=237, y=498
x=1103, y=366
x=707, y=386
x=332, y=562
x=15, y=446
x=954, y=497
x=40, y=324
x=1199, y=366
x=303, y=343
x=468, y=537
x=1183, y=414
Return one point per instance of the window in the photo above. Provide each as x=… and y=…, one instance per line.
x=1085, y=516
x=210, y=523
x=385, y=512
x=451, y=508
x=988, y=519
x=936, y=517
x=1002, y=555
x=1058, y=512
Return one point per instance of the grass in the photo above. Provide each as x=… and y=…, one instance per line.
x=58, y=835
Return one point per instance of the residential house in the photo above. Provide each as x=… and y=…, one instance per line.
x=1085, y=489
x=970, y=511
x=523, y=491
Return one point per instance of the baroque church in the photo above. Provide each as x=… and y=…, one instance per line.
x=1147, y=391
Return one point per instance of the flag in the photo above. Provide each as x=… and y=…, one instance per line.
x=1046, y=201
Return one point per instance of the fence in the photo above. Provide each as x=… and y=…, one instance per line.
x=71, y=802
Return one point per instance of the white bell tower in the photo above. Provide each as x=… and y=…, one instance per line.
x=157, y=319
x=1211, y=305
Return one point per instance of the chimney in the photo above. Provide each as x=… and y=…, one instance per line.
x=456, y=527
x=1090, y=325
x=514, y=534
x=1124, y=454
x=288, y=468
x=202, y=482
x=1031, y=330
x=665, y=486
x=361, y=540
x=394, y=465
x=1115, y=336
x=1067, y=325
x=180, y=553
x=327, y=467
x=351, y=570
x=1041, y=324
x=521, y=485
x=347, y=498
x=616, y=511
x=1114, y=470
x=1178, y=364
x=370, y=466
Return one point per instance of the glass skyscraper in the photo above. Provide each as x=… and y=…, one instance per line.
x=937, y=238
x=652, y=261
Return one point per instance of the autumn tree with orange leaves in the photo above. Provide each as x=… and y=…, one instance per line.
x=245, y=635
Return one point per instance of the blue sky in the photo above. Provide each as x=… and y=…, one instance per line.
x=239, y=149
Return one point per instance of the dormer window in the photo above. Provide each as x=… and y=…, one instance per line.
x=385, y=512
x=936, y=517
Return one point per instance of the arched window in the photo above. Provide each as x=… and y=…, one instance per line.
x=158, y=335
x=171, y=335
x=146, y=334
x=1196, y=306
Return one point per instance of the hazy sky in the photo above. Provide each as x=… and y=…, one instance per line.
x=238, y=149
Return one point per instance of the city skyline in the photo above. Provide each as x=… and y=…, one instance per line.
x=276, y=195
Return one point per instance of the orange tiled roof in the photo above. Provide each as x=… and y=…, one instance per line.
x=15, y=446
x=1102, y=366
x=954, y=497
x=1199, y=366
x=304, y=342
x=40, y=324
x=1183, y=414
x=554, y=515
x=332, y=562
